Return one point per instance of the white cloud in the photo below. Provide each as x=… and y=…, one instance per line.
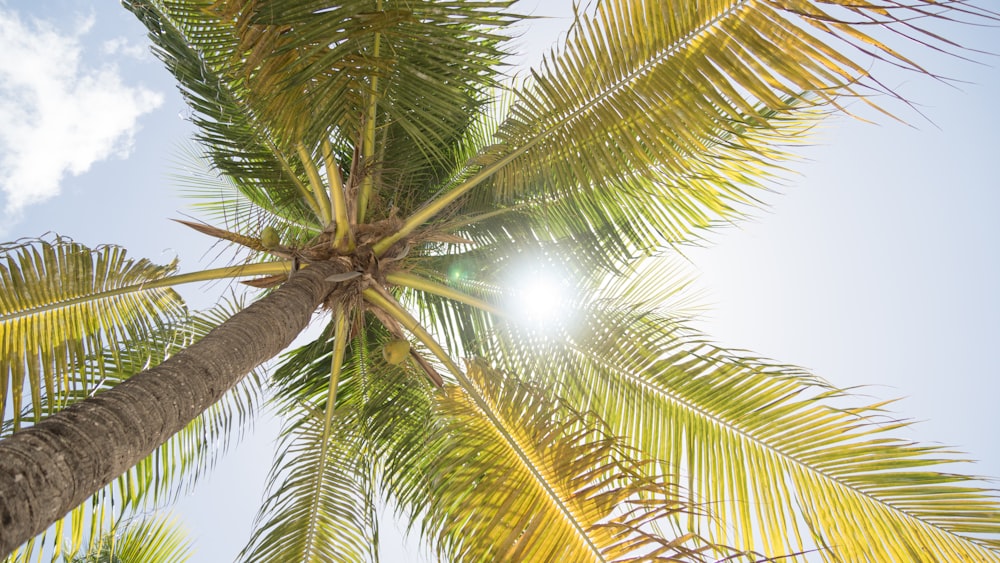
x=122, y=46
x=57, y=115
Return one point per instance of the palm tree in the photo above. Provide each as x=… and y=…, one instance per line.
x=368, y=161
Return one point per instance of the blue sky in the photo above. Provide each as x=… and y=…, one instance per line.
x=876, y=266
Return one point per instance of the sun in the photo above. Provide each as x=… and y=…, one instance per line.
x=540, y=297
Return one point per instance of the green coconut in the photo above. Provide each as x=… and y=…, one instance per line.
x=269, y=238
x=395, y=351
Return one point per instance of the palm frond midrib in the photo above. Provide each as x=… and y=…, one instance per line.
x=623, y=82
x=532, y=466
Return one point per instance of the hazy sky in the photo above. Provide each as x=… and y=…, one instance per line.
x=877, y=266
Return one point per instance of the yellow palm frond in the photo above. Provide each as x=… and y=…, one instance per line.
x=63, y=305
x=685, y=101
x=532, y=480
x=646, y=88
x=766, y=446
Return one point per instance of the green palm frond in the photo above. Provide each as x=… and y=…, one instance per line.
x=643, y=93
x=304, y=373
x=150, y=540
x=389, y=398
x=319, y=504
x=230, y=61
x=219, y=199
x=548, y=485
x=196, y=47
x=313, y=64
x=766, y=446
x=63, y=305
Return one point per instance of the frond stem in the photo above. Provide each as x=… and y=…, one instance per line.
x=339, y=346
x=315, y=184
x=267, y=268
x=473, y=219
x=379, y=297
x=413, y=281
x=368, y=139
x=303, y=191
x=343, y=237
x=434, y=207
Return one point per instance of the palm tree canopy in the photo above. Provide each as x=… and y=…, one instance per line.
x=382, y=136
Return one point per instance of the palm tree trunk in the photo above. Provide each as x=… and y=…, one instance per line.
x=48, y=469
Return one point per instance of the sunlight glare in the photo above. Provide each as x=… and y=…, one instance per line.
x=540, y=298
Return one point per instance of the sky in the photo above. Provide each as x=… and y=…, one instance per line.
x=875, y=266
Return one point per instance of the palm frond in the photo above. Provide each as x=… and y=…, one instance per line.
x=767, y=446
x=312, y=64
x=549, y=485
x=613, y=215
x=685, y=103
x=318, y=508
x=645, y=88
x=215, y=197
x=196, y=47
x=63, y=305
x=150, y=540
x=322, y=489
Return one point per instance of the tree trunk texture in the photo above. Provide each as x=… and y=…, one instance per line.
x=49, y=469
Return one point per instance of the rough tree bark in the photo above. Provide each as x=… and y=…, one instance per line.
x=48, y=469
